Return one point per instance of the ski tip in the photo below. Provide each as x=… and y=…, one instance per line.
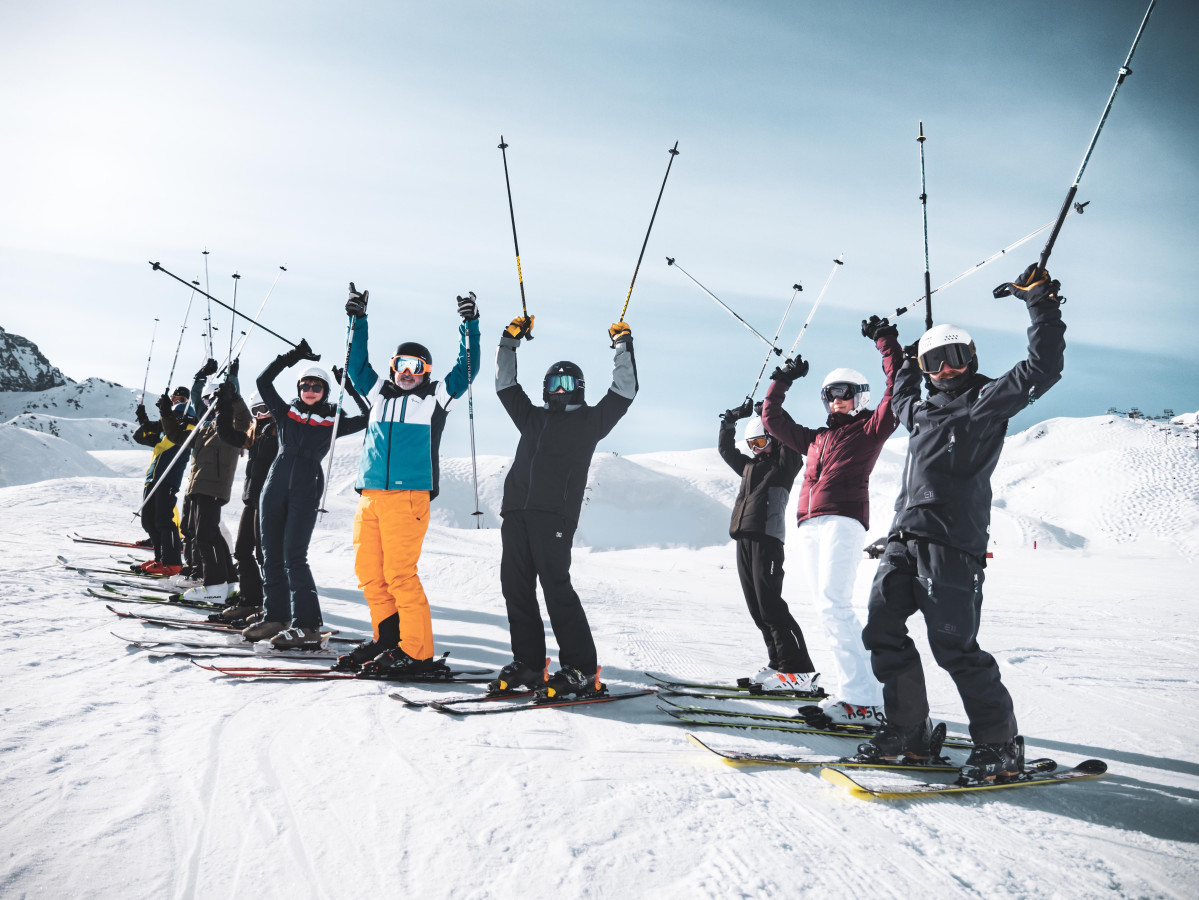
x=840, y=779
x=1091, y=767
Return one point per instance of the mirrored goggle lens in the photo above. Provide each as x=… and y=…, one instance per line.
x=557, y=383
x=956, y=356
x=412, y=364
x=758, y=443
x=311, y=387
x=841, y=390
x=260, y=411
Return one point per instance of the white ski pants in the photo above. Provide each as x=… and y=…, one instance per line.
x=828, y=550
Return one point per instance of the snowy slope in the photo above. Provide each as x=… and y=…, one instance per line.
x=93, y=414
x=27, y=456
x=128, y=776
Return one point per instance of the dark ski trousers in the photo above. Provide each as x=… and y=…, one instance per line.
x=187, y=526
x=248, y=553
x=286, y=520
x=158, y=519
x=945, y=584
x=210, y=543
x=760, y=567
x=536, y=546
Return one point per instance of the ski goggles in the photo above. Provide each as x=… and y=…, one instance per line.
x=555, y=383
x=259, y=411
x=761, y=442
x=414, y=365
x=311, y=387
x=956, y=356
x=840, y=390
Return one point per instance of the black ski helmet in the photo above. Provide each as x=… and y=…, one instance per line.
x=181, y=392
x=412, y=348
x=563, y=368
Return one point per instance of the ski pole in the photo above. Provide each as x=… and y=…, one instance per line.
x=182, y=329
x=928, y=293
x=1077, y=208
x=159, y=268
x=674, y=151
x=337, y=414
x=233, y=318
x=837, y=263
x=794, y=293
x=765, y=340
x=209, y=319
x=470, y=410
x=149, y=356
x=516, y=244
x=1004, y=290
x=258, y=315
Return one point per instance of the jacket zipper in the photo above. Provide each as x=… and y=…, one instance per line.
x=533, y=456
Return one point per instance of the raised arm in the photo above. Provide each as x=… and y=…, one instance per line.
x=459, y=377
x=614, y=404
x=776, y=420
x=515, y=401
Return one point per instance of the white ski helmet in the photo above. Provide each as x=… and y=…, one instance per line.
x=257, y=408
x=210, y=389
x=315, y=372
x=946, y=344
x=755, y=429
x=856, y=380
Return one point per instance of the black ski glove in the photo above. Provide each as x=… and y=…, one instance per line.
x=225, y=394
x=337, y=373
x=738, y=412
x=298, y=352
x=234, y=367
x=1033, y=286
x=912, y=350
x=356, y=305
x=209, y=368
x=875, y=328
x=164, y=405
x=140, y=412
x=790, y=370
x=467, y=307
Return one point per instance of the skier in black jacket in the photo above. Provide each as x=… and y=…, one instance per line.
x=261, y=442
x=543, y=495
x=936, y=550
x=759, y=527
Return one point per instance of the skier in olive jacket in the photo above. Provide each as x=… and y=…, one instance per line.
x=759, y=525
x=936, y=551
x=834, y=511
x=543, y=494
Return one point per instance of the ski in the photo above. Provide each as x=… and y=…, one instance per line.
x=1036, y=772
x=538, y=704
x=154, y=587
x=752, y=721
x=217, y=648
x=454, y=699
x=743, y=688
x=455, y=676
x=168, y=600
x=936, y=763
x=80, y=539
x=97, y=570
x=204, y=625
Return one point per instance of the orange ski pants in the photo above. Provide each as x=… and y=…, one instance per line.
x=389, y=531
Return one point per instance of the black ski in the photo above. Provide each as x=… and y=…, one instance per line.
x=936, y=763
x=168, y=600
x=455, y=676
x=454, y=699
x=1036, y=772
x=80, y=539
x=538, y=704
x=742, y=689
x=204, y=625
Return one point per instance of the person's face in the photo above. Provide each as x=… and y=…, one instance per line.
x=759, y=446
x=840, y=406
x=406, y=381
x=947, y=372
x=311, y=391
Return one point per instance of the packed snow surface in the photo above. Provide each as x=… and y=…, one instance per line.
x=131, y=776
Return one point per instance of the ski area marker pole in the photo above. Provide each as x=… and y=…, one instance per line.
x=159, y=268
x=796, y=288
x=837, y=264
x=765, y=340
x=928, y=293
x=516, y=244
x=674, y=151
x=149, y=356
x=1003, y=290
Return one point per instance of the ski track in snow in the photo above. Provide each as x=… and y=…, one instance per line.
x=129, y=775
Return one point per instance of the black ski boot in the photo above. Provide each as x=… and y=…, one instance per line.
x=517, y=676
x=396, y=665
x=990, y=763
x=569, y=682
x=894, y=741
x=388, y=639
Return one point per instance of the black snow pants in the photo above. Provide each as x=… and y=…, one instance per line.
x=945, y=584
x=210, y=543
x=536, y=546
x=760, y=567
x=288, y=508
x=248, y=553
x=158, y=519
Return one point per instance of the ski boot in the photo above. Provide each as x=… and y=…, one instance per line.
x=396, y=665
x=208, y=593
x=569, y=682
x=262, y=631
x=892, y=742
x=517, y=676
x=388, y=639
x=769, y=679
x=299, y=639
x=994, y=763
x=832, y=711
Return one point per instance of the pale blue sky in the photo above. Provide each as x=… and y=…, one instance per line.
x=359, y=143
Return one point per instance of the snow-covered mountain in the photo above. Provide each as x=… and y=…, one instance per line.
x=24, y=368
x=213, y=786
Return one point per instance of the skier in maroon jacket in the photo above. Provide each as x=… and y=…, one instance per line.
x=834, y=511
